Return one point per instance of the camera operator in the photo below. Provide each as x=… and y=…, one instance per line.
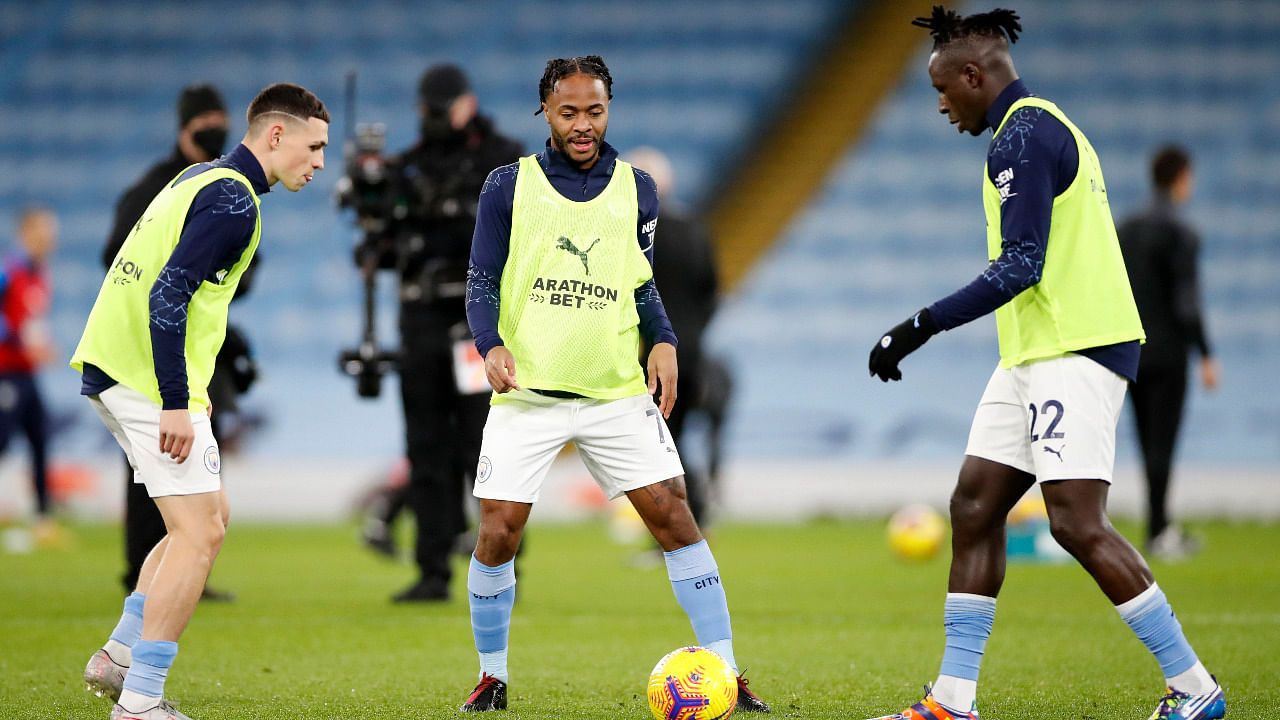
x=435, y=186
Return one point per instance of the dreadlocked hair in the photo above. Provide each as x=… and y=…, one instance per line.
x=947, y=25
x=560, y=68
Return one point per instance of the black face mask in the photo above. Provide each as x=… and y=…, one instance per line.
x=436, y=127
x=211, y=141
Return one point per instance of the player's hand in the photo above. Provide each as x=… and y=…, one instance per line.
x=664, y=371
x=904, y=339
x=500, y=369
x=176, y=434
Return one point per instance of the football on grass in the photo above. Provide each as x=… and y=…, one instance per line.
x=692, y=683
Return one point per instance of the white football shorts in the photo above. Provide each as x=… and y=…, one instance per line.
x=624, y=443
x=1054, y=418
x=134, y=421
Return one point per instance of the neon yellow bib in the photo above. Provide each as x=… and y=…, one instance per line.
x=567, y=311
x=117, y=337
x=1083, y=299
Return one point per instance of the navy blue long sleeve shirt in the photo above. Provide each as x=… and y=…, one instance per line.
x=492, y=239
x=218, y=228
x=1040, y=154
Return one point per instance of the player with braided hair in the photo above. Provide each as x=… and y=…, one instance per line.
x=1069, y=337
x=560, y=294
x=560, y=68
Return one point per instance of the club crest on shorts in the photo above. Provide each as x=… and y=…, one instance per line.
x=484, y=469
x=212, y=461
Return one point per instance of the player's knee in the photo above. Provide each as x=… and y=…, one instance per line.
x=1075, y=536
x=677, y=488
x=969, y=514
x=681, y=536
x=202, y=538
x=498, y=538
x=674, y=528
x=215, y=531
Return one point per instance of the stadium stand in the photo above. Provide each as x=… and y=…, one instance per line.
x=86, y=105
x=899, y=224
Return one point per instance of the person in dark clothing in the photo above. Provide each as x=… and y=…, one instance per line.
x=685, y=269
x=202, y=134
x=439, y=180
x=1160, y=253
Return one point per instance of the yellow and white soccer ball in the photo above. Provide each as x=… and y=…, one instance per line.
x=692, y=683
x=916, y=532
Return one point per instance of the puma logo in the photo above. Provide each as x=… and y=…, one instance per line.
x=567, y=245
x=1057, y=452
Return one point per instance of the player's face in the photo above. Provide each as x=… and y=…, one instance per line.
x=577, y=110
x=959, y=87
x=298, y=151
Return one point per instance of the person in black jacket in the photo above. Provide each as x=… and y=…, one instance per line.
x=1160, y=253
x=685, y=268
x=437, y=183
x=202, y=135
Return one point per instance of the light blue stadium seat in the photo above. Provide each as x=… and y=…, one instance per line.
x=900, y=225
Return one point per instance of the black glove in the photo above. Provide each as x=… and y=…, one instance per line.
x=900, y=342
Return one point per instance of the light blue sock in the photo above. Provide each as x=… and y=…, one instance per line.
x=129, y=629
x=151, y=662
x=696, y=582
x=492, y=594
x=1153, y=621
x=967, y=621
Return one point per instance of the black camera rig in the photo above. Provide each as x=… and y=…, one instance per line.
x=364, y=187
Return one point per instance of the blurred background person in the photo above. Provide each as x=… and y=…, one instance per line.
x=202, y=135
x=1161, y=254
x=434, y=188
x=25, y=346
x=684, y=267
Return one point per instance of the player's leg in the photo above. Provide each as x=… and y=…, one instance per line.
x=691, y=567
x=195, y=532
x=693, y=573
x=105, y=672
x=994, y=475
x=1078, y=520
x=1083, y=429
x=522, y=436
x=190, y=498
x=491, y=591
x=629, y=450
x=985, y=493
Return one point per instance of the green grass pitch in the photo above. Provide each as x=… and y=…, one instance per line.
x=827, y=624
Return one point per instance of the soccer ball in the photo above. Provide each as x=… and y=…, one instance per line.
x=692, y=683
x=916, y=532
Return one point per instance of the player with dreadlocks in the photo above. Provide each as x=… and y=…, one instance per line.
x=1069, y=338
x=561, y=291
